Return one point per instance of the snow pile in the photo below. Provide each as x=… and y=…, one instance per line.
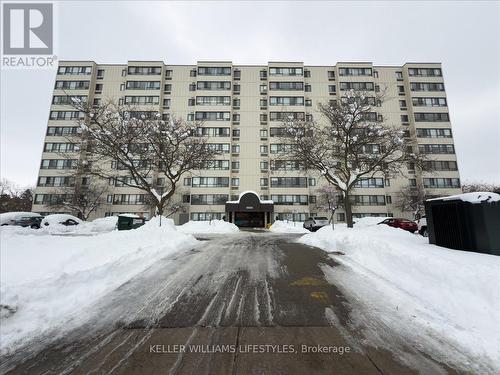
x=47, y=281
x=214, y=226
x=418, y=289
x=280, y=226
x=476, y=197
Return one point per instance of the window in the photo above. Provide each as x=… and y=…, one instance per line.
x=74, y=70
x=191, y=102
x=209, y=199
x=263, y=133
x=66, y=115
x=264, y=164
x=280, y=148
x=56, y=181
x=235, y=165
x=100, y=73
x=308, y=102
x=236, y=103
x=282, y=116
x=433, y=133
x=426, y=86
x=263, y=74
x=312, y=181
x=186, y=198
x=402, y=104
x=206, y=216
x=143, y=100
x=235, y=149
x=210, y=181
x=388, y=199
x=144, y=70
x=424, y=72
x=332, y=88
x=263, y=117
x=331, y=74
x=436, y=149
x=263, y=89
x=212, y=132
x=69, y=99
x=286, y=100
x=286, y=165
x=399, y=76
x=236, y=117
x=98, y=88
x=375, y=182
x=368, y=200
x=235, y=181
x=441, y=182
x=213, y=85
x=218, y=147
x=133, y=199
x=264, y=182
x=307, y=73
x=236, y=133
x=298, y=216
x=237, y=74
x=355, y=71
x=72, y=85
x=404, y=118
x=429, y=102
x=62, y=130
x=143, y=85
x=215, y=165
x=58, y=164
x=263, y=103
x=442, y=165
x=286, y=71
x=288, y=86
x=213, y=100
x=212, y=116
x=236, y=88
x=307, y=88
x=214, y=71
x=289, y=200
x=366, y=86
x=432, y=117
x=168, y=87
x=263, y=149
x=187, y=181
x=168, y=74
x=282, y=182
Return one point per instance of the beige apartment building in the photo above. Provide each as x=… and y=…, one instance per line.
x=241, y=107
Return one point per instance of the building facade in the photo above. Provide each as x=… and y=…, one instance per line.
x=242, y=108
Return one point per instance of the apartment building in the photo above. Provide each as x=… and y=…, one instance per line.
x=242, y=108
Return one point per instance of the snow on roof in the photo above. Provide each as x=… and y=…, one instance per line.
x=476, y=197
x=251, y=192
x=130, y=215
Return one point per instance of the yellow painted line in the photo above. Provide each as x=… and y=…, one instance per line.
x=308, y=281
x=320, y=296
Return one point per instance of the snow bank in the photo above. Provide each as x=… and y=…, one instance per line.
x=453, y=294
x=214, y=226
x=476, y=197
x=47, y=281
x=280, y=226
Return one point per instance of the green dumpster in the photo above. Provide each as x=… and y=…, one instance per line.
x=129, y=221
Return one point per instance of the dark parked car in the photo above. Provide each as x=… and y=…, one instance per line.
x=405, y=224
x=314, y=223
x=33, y=222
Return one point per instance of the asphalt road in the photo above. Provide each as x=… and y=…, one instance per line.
x=249, y=303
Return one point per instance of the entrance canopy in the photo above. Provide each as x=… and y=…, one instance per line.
x=249, y=210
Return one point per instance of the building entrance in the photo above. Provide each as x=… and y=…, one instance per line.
x=249, y=211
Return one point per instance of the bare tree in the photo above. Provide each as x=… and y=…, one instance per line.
x=471, y=187
x=83, y=199
x=411, y=199
x=351, y=144
x=138, y=148
x=328, y=200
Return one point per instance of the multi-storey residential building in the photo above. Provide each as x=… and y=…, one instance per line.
x=242, y=108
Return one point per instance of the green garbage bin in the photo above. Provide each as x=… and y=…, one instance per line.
x=128, y=221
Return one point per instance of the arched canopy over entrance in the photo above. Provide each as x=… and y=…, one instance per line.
x=249, y=210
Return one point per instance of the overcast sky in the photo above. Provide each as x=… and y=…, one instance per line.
x=464, y=36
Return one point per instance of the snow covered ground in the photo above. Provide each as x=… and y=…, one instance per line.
x=445, y=301
x=47, y=280
x=214, y=226
x=280, y=226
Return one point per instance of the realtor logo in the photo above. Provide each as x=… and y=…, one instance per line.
x=27, y=29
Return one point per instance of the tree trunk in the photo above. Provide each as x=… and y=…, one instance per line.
x=348, y=210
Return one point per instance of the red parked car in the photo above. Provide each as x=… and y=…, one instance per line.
x=405, y=224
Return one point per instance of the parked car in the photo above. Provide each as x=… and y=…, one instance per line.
x=60, y=219
x=422, y=226
x=405, y=224
x=314, y=223
x=23, y=219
